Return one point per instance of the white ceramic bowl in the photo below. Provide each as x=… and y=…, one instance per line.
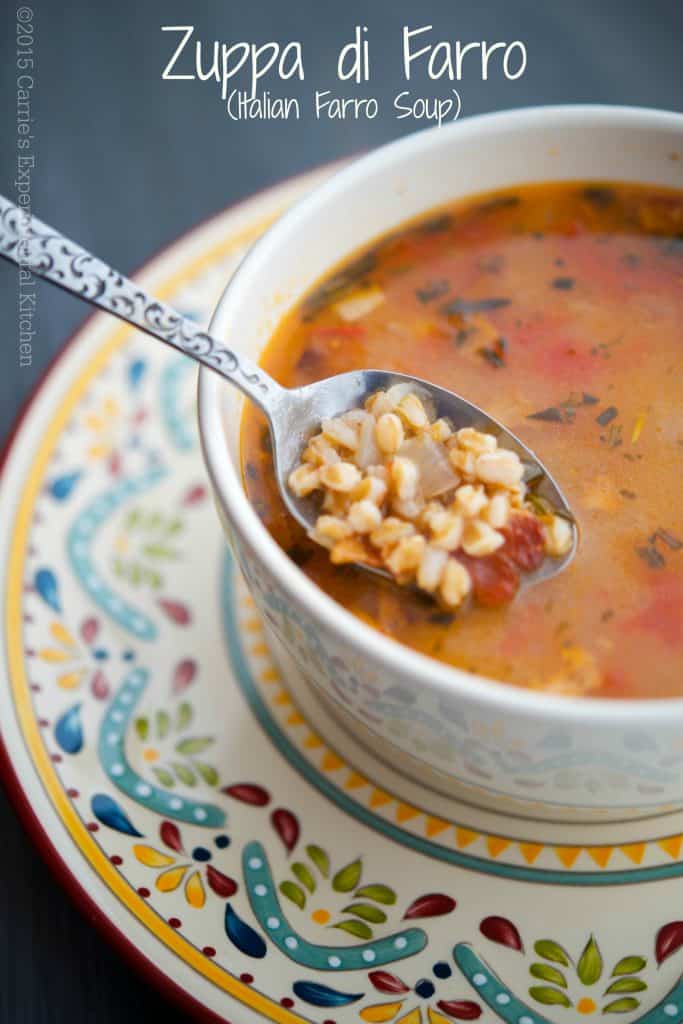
x=494, y=744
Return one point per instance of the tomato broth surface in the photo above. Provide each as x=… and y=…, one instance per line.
x=558, y=308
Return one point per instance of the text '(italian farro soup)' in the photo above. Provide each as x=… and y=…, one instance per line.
x=558, y=308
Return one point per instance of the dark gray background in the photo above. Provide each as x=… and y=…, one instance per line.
x=126, y=162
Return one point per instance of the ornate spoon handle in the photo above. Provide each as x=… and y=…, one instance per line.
x=28, y=242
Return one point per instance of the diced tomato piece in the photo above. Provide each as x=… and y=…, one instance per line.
x=524, y=542
x=495, y=580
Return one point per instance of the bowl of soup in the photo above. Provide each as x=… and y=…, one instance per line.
x=531, y=261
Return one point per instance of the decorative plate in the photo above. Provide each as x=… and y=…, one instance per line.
x=250, y=856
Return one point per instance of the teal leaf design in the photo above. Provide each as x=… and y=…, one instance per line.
x=378, y=893
x=589, y=967
x=626, y=985
x=193, y=746
x=163, y=724
x=367, y=912
x=294, y=893
x=184, y=716
x=347, y=878
x=629, y=965
x=109, y=813
x=624, y=1005
x=184, y=774
x=550, y=950
x=207, y=772
x=142, y=728
x=243, y=935
x=322, y=995
x=357, y=928
x=549, y=996
x=304, y=875
x=164, y=777
x=46, y=586
x=69, y=730
x=319, y=858
x=544, y=972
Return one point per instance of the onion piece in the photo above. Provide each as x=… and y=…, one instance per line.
x=359, y=303
x=436, y=472
x=367, y=452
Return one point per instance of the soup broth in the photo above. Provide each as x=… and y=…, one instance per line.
x=558, y=308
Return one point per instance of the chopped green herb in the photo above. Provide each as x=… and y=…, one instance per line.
x=500, y=203
x=464, y=307
x=613, y=436
x=334, y=286
x=440, y=223
x=266, y=442
x=599, y=195
x=667, y=538
x=652, y=558
x=432, y=290
x=441, y=618
x=495, y=354
x=563, y=284
x=607, y=415
x=551, y=415
x=631, y=495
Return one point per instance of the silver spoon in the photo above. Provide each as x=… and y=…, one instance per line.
x=293, y=414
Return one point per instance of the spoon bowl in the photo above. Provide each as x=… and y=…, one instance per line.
x=301, y=411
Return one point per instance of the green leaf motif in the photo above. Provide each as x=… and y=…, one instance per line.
x=378, y=893
x=629, y=965
x=589, y=967
x=357, y=928
x=142, y=728
x=132, y=519
x=367, y=912
x=547, y=973
x=550, y=950
x=624, y=1005
x=294, y=893
x=153, y=578
x=320, y=859
x=161, y=551
x=207, y=772
x=549, y=996
x=163, y=724
x=304, y=875
x=164, y=777
x=193, y=746
x=185, y=774
x=348, y=877
x=626, y=985
x=184, y=716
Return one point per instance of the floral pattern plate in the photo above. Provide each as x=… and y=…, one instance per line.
x=249, y=855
